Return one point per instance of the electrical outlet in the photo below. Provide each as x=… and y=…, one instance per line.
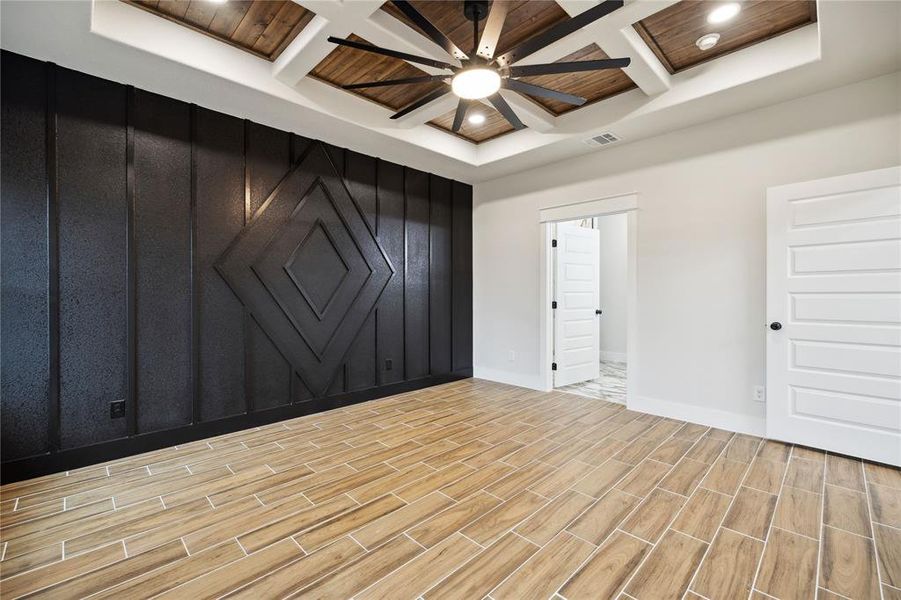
x=511, y=356
x=388, y=364
x=759, y=393
x=117, y=409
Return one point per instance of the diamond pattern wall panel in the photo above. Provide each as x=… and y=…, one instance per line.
x=311, y=315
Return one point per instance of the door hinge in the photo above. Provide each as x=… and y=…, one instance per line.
x=553, y=304
x=553, y=366
x=553, y=243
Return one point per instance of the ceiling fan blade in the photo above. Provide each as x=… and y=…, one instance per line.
x=430, y=30
x=558, y=31
x=392, y=53
x=462, y=107
x=502, y=107
x=492, y=30
x=430, y=97
x=386, y=82
x=569, y=67
x=536, y=90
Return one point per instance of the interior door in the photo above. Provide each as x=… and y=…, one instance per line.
x=834, y=314
x=576, y=335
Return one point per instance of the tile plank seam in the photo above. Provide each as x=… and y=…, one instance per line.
x=456, y=422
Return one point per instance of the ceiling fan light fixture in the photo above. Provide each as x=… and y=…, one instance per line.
x=476, y=83
x=706, y=42
x=723, y=13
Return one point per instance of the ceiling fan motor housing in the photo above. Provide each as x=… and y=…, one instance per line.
x=475, y=10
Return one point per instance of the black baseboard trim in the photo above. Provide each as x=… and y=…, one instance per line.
x=65, y=460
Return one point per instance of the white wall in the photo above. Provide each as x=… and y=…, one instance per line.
x=700, y=243
x=613, y=231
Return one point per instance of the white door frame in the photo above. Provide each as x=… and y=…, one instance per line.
x=609, y=205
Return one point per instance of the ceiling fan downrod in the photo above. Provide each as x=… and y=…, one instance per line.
x=475, y=11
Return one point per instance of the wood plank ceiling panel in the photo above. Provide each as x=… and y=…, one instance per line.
x=672, y=32
x=262, y=27
x=495, y=124
x=591, y=85
x=345, y=65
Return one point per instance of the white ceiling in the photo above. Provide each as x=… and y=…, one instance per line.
x=853, y=40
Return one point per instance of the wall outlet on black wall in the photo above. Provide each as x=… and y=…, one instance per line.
x=388, y=364
x=117, y=409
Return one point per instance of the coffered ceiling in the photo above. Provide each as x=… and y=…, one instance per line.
x=266, y=27
x=271, y=62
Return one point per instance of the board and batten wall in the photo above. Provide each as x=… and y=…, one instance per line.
x=210, y=272
x=701, y=243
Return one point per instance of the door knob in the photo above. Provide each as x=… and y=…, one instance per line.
x=775, y=325
x=597, y=311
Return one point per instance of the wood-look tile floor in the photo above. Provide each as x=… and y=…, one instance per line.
x=467, y=490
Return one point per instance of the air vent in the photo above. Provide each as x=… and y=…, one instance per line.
x=605, y=139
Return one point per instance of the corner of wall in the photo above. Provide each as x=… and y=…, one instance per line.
x=702, y=415
x=533, y=382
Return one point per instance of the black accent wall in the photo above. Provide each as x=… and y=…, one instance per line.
x=210, y=272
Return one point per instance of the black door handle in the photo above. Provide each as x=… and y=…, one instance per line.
x=597, y=311
x=775, y=325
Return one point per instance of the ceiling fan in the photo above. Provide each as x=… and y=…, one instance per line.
x=482, y=75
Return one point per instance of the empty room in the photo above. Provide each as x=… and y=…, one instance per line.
x=450, y=299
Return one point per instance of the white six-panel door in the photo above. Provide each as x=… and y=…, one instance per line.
x=576, y=335
x=834, y=286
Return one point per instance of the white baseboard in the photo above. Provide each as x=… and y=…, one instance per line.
x=711, y=417
x=609, y=356
x=532, y=382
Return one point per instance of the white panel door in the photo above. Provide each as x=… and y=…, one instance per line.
x=576, y=335
x=834, y=285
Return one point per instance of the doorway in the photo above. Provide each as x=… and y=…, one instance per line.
x=589, y=279
x=590, y=314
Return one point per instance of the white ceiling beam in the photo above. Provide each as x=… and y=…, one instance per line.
x=340, y=19
x=385, y=30
x=311, y=45
x=554, y=52
x=362, y=18
x=430, y=111
x=532, y=114
x=646, y=70
x=307, y=50
x=615, y=35
x=337, y=10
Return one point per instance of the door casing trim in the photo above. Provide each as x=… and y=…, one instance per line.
x=627, y=203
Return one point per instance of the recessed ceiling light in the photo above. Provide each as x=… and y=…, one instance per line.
x=476, y=83
x=706, y=42
x=476, y=119
x=217, y=1
x=724, y=12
